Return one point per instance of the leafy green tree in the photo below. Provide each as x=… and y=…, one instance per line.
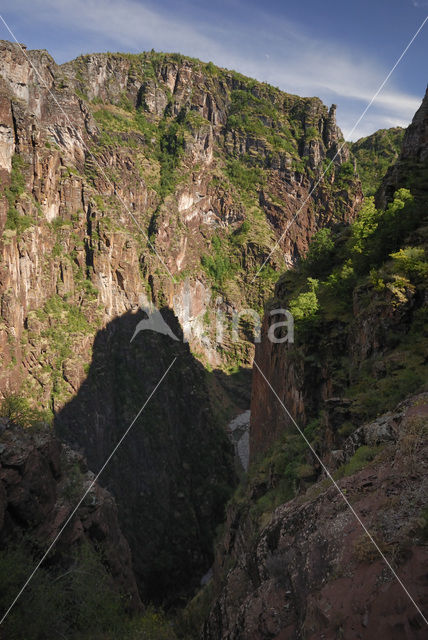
x=319, y=255
x=364, y=226
x=306, y=305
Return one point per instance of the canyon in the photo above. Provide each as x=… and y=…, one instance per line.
x=131, y=180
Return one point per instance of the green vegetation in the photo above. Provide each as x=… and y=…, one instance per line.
x=371, y=267
x=171, y=149
x=75, y=601
x=18, y=410
x=306, y=305
x=374, y=154
x=243, y=176
x=16, y=221
x=361, y=458
x=319, y=255
x=218, y=263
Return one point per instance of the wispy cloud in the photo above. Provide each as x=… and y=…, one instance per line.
x=296, y=62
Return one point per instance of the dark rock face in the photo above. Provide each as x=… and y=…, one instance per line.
x=41, y=481
x=312, y=572
x=413, y=160
x=173, y=472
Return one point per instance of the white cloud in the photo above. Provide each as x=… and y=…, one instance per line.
x=296, y=62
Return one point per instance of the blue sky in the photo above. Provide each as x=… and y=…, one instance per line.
x=339, y=50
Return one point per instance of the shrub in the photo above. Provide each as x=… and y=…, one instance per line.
x=17, y=409
x=364, y=226
x=217, y=264
x=75, y=601
x=319, y=256
x=361, y=458
x=345, y=174
x=244, y=177
x=306, y=305
x=411, y=262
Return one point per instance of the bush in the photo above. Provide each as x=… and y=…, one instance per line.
x=411, y=262
x=345, y=174
x=364, y=226
x=17, y=409
x=361, y=458
x=73, y=601
x=306, y=305
x=244, y=177
x=319, y=256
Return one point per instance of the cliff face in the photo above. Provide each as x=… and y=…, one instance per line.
x=312, y=572
x=158, y=175
x=294, y=562
x=118, y=147
x=411, y=166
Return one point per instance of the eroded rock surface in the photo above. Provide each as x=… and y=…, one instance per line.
x=41, y=482
x=312, y=572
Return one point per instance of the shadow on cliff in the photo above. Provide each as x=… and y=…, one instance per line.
x=174, y=471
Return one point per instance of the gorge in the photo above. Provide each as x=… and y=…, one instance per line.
x=136, y=179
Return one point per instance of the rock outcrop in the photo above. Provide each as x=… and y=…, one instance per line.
x=312, y=572
x=41, y=482
x=412, y=163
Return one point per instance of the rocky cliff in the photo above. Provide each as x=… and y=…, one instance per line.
x=411, y=166
x=154, y=176
x=41, y=482
x=102, y=152
x=311, y=571
x=294, y=562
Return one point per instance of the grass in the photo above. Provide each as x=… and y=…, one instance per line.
x=361, y=458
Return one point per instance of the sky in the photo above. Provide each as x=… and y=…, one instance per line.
x=339, y=50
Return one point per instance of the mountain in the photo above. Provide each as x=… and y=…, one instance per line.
x=152, y=176
x=155, y=191
x=374, y=154
x=111, y=149
x=294, y=560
